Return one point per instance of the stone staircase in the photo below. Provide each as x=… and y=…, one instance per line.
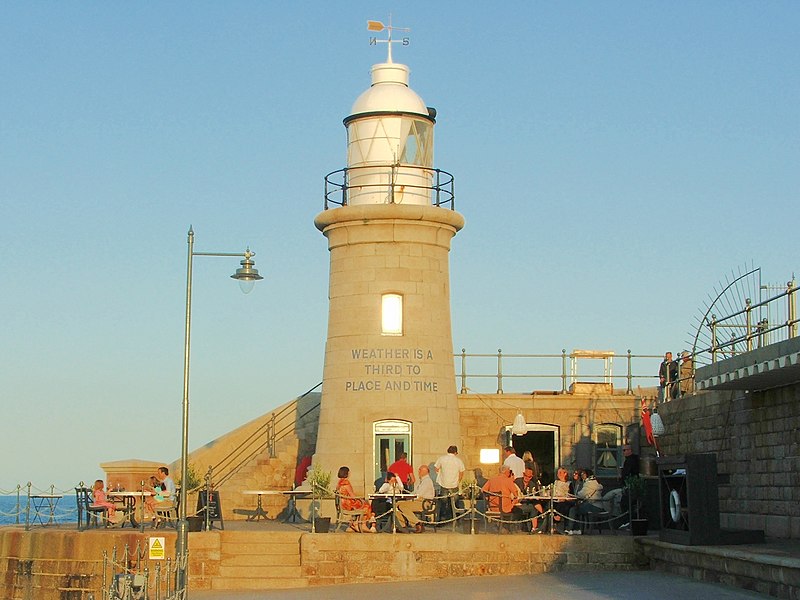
x=262, y=473
x=254, y=561
x=295, y=426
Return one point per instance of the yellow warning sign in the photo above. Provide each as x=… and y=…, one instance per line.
x=156, y=548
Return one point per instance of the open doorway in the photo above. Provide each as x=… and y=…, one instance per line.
x=543, y=441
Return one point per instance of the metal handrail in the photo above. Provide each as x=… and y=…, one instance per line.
x=442, y=189
x=501, y=374
x=758, y=333
x=279, y=425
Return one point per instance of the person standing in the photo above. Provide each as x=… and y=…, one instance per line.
x=667, y=378
x=404, y=471
x=516, y=464
x=686, y=374
x=449, y=473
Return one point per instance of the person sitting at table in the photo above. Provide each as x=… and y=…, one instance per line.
x=590, y=501
x=154, y=487
x=168, y=488
x=382, y=506
x=424, y=490
x=99, y=498
x=561, y=490
x=530, y=509
x=503, y=495
x=349, y=501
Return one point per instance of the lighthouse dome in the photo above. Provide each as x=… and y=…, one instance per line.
x=389, y=92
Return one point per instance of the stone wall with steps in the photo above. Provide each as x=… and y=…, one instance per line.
x=747, y=568
x=242, y=560
x=261, y=472
x=756, y=437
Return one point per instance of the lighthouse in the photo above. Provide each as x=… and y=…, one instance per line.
x=389, y=218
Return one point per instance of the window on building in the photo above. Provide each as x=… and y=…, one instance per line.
x=607, y=450
x=392, y=314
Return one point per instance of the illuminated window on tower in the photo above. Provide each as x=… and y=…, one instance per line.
x=392, y=314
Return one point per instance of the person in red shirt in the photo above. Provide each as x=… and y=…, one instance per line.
x=404, y=471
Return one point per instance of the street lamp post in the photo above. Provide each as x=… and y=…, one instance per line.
x=246, y=275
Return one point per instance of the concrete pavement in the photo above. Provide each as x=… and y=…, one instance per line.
x=620, y=585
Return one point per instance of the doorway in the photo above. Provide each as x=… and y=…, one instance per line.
x=543, y=441
x=391, y=438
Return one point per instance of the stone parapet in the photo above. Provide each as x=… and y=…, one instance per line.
x=333, y=559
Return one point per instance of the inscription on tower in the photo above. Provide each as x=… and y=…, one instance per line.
x=392, y=369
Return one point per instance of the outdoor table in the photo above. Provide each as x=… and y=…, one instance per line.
x=260, y=513
x=551, y=500
x=293, y=514
x=51, y=502
x=129, y=501
x=393, y=497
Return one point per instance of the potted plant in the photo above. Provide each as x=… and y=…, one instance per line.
x=322, y=498
x=636, y=488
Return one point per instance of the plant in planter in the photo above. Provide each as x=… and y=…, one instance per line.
x=637, y=489
x=322, y=497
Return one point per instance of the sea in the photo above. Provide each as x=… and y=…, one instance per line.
x=13, y=511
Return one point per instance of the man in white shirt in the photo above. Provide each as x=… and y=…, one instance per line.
x=449, y=472
x=515, y=463
x=423, y=488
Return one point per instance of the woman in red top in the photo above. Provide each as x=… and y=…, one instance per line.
x=349, y=501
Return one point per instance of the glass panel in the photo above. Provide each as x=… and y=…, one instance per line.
x=608, y=440
x=392, y=314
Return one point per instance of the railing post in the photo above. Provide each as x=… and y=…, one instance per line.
x=28, y=509
x=563, y=371
x=748, y=313
x=271, y=433
x=713, y=326
x=629, y=391
x=791, y=312
x=499, y=371
x=463, y=370
x=19, y=488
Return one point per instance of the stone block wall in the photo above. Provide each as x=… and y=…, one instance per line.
x=756, y=437
x=332, y=559
x=484, y=417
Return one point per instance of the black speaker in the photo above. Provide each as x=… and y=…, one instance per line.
x=689, y=500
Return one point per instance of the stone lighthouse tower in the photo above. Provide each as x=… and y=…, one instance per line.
x=389, y=381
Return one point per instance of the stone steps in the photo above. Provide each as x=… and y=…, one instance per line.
x=250, y=562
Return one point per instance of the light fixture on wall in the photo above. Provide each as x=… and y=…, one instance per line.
x=520, y=426
x=490, y=456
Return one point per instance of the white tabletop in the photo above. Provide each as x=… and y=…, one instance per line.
x=47, y=495
x=133, y=494
x=263, y=492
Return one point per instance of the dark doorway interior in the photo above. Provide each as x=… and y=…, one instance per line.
x=541, y=444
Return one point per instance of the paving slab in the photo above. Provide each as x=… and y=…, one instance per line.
x=627, y=585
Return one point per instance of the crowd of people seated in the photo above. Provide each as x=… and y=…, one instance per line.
x=162, y=495
x=514, y=498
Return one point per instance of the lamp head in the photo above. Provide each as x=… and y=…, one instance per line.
x=247, y=274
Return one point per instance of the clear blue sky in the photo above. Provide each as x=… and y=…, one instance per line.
x=613, y=161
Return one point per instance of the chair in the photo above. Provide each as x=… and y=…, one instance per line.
x=210, y=510
x=88, y=510
x=345, y=516
x=597, y=520
x=428, y=512
x=167, y=512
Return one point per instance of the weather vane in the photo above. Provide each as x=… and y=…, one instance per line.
x=378, y=26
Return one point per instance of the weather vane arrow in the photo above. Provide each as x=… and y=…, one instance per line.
x=379, y=26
